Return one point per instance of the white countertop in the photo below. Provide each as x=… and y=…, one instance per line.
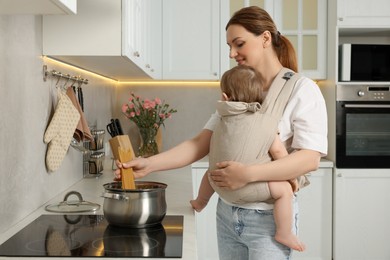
x=178, y=195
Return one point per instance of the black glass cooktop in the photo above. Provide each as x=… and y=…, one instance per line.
x=92, y=236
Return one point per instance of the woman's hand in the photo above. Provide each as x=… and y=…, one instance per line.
x=230, y=175
x=139, y=165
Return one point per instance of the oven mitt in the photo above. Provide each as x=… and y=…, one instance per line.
x=60, y=131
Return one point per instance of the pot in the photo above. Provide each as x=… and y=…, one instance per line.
x=141, y=207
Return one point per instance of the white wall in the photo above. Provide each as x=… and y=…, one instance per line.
x=26, y=107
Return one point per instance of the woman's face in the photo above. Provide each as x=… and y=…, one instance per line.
x=245, y=47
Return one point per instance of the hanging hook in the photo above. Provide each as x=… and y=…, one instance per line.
x=60, y=75
x=66, y=82
x=80, y=81
x=75, y=79
x=56, y=74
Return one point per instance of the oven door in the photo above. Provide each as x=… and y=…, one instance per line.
x=363, y=134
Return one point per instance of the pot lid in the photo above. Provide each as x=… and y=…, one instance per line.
x=73, y=206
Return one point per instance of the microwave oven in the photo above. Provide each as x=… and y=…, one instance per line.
x=364, y=62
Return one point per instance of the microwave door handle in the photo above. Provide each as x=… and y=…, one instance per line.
x=366, y=106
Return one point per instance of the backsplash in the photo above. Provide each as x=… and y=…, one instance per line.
x=26, y=105
x=194, y=104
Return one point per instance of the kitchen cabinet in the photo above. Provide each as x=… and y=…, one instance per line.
x=140, y=39
x=303, y=22
x=205, y=221
x=361, y=215
x=142, y=34
x=315, y=210
x=108, y=38
x=315, y=216
x=37, y=7
x=358, y=13
x=191, y=39
x=355, y=22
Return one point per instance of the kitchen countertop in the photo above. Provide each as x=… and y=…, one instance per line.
x=178, y=195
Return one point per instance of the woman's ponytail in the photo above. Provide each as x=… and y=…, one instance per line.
x=286, y=53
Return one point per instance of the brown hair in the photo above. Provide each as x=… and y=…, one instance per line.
x=256, y=20
x=242, y=83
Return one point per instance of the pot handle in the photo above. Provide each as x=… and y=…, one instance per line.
x=115, y=196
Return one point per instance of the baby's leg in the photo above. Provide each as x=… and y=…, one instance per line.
x=282, y=192
x=204, y=194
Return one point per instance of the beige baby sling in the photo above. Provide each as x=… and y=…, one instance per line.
x=245, y=134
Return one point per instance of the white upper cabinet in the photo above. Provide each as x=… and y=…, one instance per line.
x=142, y=39
x=303, y=22
x=364, y=13
x=191, y=39
x=111, y=38
x=36, y=7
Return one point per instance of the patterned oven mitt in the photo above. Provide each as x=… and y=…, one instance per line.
x=60, y=131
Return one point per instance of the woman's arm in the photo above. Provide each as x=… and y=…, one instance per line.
x=234, y=175
x=179, y=156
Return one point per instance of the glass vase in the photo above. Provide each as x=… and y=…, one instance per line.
x=148, y=146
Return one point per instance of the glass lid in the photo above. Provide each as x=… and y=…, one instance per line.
x=73, y=206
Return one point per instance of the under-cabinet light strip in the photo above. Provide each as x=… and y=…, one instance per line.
x=69, y=66
x=137, y=82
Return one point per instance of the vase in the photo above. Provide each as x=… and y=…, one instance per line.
x=148, y=146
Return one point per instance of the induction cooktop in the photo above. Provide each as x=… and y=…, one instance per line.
x=92, y=236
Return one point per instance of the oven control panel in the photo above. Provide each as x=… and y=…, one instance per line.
x=363, y=93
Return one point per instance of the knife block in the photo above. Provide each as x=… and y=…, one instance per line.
x=122, y=141
x=122, y=150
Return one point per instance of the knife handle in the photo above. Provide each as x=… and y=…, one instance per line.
x=118, y=127
x=111, y=130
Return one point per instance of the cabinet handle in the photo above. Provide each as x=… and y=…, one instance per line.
x=147, y=66
x=339, y=175
x=341, y=19
x=136, y=54
x=215, y=74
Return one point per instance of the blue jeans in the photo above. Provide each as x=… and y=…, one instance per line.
x=246, y=234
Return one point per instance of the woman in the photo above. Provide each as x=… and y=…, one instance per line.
x=248, y=233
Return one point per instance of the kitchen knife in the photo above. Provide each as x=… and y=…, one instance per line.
x=118, y=127
x=111, y=128
x=114, y=128
x=81, y=98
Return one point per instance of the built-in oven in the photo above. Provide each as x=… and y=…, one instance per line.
x=363, y=126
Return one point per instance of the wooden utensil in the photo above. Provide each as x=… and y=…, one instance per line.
x=126, y=155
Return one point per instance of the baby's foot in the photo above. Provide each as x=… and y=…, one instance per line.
x=197, y=205
x=291, y=241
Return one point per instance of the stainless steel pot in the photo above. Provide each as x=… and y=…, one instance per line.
x=142, y=207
